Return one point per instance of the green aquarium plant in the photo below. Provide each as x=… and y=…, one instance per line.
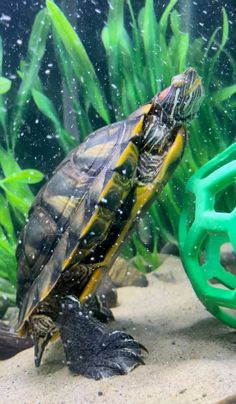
x=140, y=63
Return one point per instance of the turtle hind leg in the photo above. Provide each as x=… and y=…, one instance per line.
x=43, y=328
x=92, y=349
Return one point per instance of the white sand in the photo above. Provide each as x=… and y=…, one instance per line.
x=191, y=359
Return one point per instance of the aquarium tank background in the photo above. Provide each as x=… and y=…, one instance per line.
x=70, y=67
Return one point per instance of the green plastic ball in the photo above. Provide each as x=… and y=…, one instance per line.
x=207, y=225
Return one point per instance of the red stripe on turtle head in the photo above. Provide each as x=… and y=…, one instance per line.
x=164, y=93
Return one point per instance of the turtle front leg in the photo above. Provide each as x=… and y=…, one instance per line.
x=43, y=329
x=92, y=349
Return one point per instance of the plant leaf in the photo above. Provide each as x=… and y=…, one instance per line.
x=29, y=176
x=21, y=191
x=224, y=93
x=46, y=106
x=5, y=85
x=150, y=34
x=36, y=49
x=7, y=261
x=121, y=58
x=21, y=204
x=165, y=16
x=82, y=65
x=79, y=125
x=184, y=46
x=225, y=32
x=5, y=219
x=6, y=287
x=3, y=110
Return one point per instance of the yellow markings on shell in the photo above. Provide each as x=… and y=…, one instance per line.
x=95, y=216
x=107, y=188
x=100, y=149
x=21, y=330
x=144, y=109
x=68, y=260
x=138, y=127
x=144, y=193
x=116, y=245
x=28, y=312
x=60, y=202
x=45, y=292
x=92, y=284
x=90, y=223
x=130, y=150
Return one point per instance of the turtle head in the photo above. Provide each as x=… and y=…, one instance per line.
x=181, y=100
x=164, y=133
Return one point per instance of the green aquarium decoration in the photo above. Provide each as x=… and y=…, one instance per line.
x=205, y=226
x=140, y=60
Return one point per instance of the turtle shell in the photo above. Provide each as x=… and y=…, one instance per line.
x=73, y=213
x=82, y=215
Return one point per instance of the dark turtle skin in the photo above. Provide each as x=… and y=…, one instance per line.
x=81, y=218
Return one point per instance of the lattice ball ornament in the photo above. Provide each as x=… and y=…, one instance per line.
x=207, y=227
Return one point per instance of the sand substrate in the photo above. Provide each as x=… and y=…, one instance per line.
x=191, y=359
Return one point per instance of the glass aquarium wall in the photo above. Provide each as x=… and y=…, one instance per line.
x=69, y=67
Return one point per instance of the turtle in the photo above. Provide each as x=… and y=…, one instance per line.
x=81, y=218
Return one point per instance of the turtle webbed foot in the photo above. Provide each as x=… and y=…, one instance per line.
x=91, y=348
x=119, y=353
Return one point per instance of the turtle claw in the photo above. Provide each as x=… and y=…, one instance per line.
x=91, y=348
x=118, y=354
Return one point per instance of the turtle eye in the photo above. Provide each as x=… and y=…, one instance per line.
x=178, y=81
